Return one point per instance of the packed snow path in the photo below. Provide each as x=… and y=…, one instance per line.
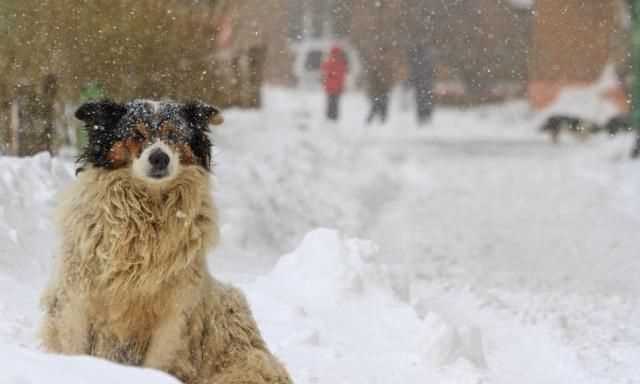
x=495, y=257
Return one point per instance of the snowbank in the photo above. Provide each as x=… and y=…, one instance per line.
x=353, y=322
x=27, y=189
x=351, y=319
x=21, y=366
x=325, y=269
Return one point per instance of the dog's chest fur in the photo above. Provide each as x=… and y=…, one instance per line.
x=133, y=247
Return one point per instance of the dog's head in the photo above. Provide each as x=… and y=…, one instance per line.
x=154, y=139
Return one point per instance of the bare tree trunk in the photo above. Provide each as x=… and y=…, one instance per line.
x=48, y=99
x=14, y=128
x=29, y=121
x=256, y=56
x=237, y=97
x=5, y=118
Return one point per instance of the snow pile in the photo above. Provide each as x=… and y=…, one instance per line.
x=28, y=187
x=349, y=317
x=27, y=239
x=351, y=314
x=27, y=367
x=325, y=269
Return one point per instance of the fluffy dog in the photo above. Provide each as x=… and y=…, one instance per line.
x=131, y=283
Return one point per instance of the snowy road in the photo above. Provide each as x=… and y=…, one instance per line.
x=495, y=257
x=508, y=208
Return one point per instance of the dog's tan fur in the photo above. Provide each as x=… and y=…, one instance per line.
x=132, y=284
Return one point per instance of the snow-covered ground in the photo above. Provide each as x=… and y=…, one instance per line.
x=491, y=256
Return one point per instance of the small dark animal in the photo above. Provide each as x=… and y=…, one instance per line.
x=578, y=127
x=618, y=124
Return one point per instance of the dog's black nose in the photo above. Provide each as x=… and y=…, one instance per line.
x=158, y=159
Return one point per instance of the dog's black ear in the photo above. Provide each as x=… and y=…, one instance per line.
x=104, y=113
x=201, y=115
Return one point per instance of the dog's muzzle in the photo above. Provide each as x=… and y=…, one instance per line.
x=157, y=163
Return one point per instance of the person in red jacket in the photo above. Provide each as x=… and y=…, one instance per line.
x=334, y=73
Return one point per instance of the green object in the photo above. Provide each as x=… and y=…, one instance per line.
x=91, y=91
x=81, y=137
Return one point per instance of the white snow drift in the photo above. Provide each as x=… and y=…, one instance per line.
x=495, y=257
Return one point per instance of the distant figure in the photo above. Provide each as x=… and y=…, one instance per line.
x=421, y=76
x=334, y=73
x=380, y=80
x=635, y=152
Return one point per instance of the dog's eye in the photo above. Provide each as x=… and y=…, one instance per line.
x=137, y=135
x=172, y=136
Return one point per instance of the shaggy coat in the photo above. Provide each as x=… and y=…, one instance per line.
x=131, y=283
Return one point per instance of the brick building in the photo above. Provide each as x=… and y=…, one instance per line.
x=572, y=42
x=485, y=49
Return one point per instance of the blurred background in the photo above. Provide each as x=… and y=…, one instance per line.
x=54, y=54
x=409, y=191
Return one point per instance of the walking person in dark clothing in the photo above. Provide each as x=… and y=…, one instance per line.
x=333, y=106
x=379, y=107
x=635, y=151
x=334, y=73
x=379, y=76
x=421, y=75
